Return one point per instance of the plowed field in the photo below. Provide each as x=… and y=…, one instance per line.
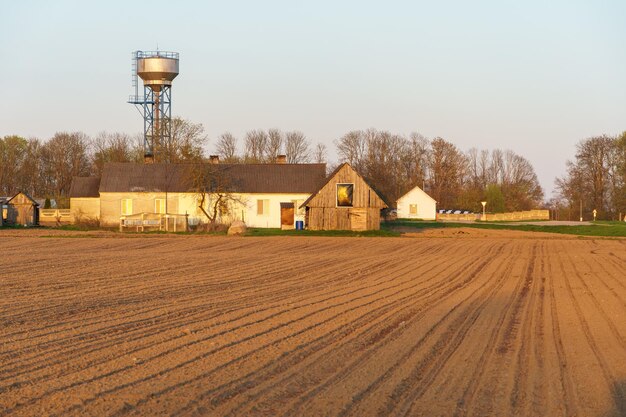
x=456, y=325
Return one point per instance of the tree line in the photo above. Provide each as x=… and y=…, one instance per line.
x=392, y=163
x=595, y=180
x=46, y=168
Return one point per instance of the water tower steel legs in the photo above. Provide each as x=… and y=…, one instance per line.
x=157, y=112
x=148, y=104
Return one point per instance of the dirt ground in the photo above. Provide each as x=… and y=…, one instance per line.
x=469, y=232
x=479, y=323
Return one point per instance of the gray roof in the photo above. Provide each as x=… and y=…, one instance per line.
x=243, y=178
x=85, y=187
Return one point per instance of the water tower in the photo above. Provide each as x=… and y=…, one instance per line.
x=157, y=69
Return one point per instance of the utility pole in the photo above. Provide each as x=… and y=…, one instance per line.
x=581, y=209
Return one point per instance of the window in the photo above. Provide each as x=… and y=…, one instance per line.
x=127, y=206
x=413, y=209
x=159, y=205
x=344, y=195
x=263, y=207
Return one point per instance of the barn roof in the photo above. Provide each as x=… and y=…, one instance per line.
x=242, y=178
x=323, y=184
x=85, y=187
x=329, y=179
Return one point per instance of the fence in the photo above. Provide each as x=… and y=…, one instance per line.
x=155, y=221
x=55, y=217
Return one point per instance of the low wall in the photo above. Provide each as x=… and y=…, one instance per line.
x=457, y=217
x=498, y=217
x=519, y=216
x=55, y=217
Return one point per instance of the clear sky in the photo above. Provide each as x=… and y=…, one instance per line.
x=532, y=76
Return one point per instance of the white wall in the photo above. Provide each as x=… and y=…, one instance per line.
x=245, y=208
x=426, y=206
x=85, y=208
x=272, y=218
x=187, y=203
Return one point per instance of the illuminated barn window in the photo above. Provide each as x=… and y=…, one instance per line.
x=344, y=195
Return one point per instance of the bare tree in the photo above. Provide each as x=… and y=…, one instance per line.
x=186, y=144
x=496, y=168
x=274, y=145
x=590, y=180
x=619, y=187
x=351, y=148
x=320, y=153
x=571, y=189
x=12, y=153
x=500, y=173
x=255, y=146
x=520, y=187
x=483, y=166
x=415, y=159
x=31, y=172
x=65, y=156
x=447, y=166
x=296, y=147
x=110, y=147
x=227, y=147
x=136, y=149
x=214, y=187
x=384, y=164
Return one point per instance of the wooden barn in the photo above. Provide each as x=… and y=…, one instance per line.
x=345, y=202
x=23, y=210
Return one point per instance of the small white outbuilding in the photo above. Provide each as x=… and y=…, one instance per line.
x=416, y=204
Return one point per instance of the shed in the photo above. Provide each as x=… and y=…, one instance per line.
x=416, y=204
x=22, y=209
x=345, y=202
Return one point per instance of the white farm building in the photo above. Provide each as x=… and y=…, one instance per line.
x=262, y=195
x=416, y=204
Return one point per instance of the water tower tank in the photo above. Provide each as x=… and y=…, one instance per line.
x=158, y=70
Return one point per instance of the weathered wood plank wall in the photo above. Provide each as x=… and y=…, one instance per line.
x=323, y=213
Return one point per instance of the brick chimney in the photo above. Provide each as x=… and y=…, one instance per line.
x=214, y=159
x=281, y=159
